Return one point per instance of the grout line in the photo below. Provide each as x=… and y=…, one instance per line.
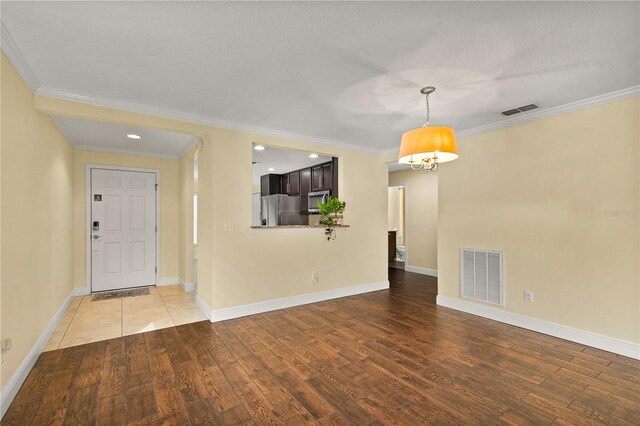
x=167, y=308
x=72, y=318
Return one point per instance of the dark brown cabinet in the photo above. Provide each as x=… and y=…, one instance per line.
x=294, y=183
x=322, y=176
x=392, y=246
x=290, y=183
x=270, y=184
x=305, y=188
x=301, y=182
x=284, y=183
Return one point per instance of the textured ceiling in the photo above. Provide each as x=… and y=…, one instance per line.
x=348, y=72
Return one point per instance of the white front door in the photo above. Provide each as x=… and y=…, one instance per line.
x=123, y=229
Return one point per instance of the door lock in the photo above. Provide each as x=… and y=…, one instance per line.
x=95, y=237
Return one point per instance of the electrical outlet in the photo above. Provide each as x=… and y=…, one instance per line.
x=314, y=278
x=6, y=345
x=528, y=296
x=229, y=227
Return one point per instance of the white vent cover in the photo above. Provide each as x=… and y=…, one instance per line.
x=481, y=275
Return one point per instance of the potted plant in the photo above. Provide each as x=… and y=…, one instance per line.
x=331, y=215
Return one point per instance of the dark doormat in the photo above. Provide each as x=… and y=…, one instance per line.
x=118, y=294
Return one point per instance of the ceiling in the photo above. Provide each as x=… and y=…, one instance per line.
x=283, y=161
x=93, y=135
x=338, y=72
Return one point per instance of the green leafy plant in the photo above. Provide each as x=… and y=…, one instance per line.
x=331, y=215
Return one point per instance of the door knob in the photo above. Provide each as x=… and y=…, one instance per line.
x=95, y=237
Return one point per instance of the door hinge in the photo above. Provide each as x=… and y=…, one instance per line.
x=156, y=228
x=156, y=186
x=156, y=269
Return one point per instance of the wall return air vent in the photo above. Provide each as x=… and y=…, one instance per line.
x=481, y=276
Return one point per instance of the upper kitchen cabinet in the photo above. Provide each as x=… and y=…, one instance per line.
x=270, y=184
x=322, y=177
x=294, y=183
x=305, y=189
x=290, y=183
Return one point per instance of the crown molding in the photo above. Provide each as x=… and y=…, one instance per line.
x=15, y=56
x=527, y=117
x=193, y=118
x=390, y=151
x=124, y=151
x=615, y=96
x=10, y=49
x=194, y=140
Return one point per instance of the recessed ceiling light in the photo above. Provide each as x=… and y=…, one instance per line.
x=259, y=148
x=134, y=136
x=313, y=155
x=271, y=169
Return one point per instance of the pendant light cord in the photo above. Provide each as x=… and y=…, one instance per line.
x=426, y=121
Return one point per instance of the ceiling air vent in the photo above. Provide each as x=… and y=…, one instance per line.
x=519, y=109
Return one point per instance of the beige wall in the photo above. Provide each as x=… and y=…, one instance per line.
x=546, y=193
x=421, y=203
x=187, y=188
x=250, y=267
x=241, y=267
x=169, y=207
x=36, y=176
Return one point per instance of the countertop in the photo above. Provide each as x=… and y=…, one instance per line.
x=296, y=226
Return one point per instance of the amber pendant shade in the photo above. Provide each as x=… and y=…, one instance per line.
x=418, y=145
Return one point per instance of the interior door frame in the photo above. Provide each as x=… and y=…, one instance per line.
x=87, y=228
x=405, y=185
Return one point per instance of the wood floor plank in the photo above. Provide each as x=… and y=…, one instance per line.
x=111, y=410
x=171, y=408
x=222, y=394
x=386, y=357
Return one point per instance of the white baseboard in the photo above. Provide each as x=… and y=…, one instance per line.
x=204, y=307
x=80, y=291
x=617, y=346
x=168, y=281
x=12, y=387
x=287, y=302
x=420, y=270
x=187, y=287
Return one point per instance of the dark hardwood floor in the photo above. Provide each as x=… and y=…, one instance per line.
x=389, y=357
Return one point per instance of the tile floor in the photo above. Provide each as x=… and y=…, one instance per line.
x=86, y=321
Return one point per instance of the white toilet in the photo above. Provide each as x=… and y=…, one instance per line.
x=400, y=253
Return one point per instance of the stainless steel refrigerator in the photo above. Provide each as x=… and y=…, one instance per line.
x=281, y=209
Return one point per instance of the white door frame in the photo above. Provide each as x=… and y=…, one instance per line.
x=405, y=185
x=87, y=195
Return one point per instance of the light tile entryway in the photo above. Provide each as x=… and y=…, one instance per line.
x=86, y=321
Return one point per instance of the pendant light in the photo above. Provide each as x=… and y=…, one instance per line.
x=427, y=146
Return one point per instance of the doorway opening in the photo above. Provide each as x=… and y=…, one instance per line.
x=195, y=222
x=396, y=218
